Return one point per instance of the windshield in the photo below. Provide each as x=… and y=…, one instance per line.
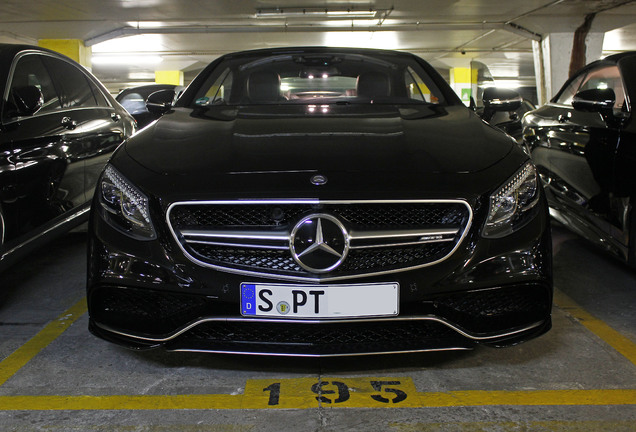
x=318, y=78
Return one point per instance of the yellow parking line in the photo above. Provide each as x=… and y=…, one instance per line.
x=515, y=426
x=233, y=402
x=530, y=398
x=21, y=356
x=314, y=392
x=620, y=343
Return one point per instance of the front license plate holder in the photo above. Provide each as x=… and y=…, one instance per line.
x=320, y=301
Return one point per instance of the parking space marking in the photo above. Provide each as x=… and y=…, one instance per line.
x=20, y=357
x=367, y=392
x=315, y=392
x=516, y=426
x=354, y=393
x=616, y=340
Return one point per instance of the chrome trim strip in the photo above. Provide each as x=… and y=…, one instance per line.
x=236, y=234
x=238, y=245
x=54, y=227
x=322, y=355
x=371, y=235
x=453, y=327
x=190, y=237
x=315, y=278
x=398, y=244
x=1, y=233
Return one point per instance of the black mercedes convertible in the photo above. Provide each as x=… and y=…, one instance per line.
x=319, y=202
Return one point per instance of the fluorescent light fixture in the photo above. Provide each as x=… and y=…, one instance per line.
x=146, y=24
x=130, y=44
x=361, y=39
x=503, y=83
x=126, y=59
x=316, y=12
x=141, y=76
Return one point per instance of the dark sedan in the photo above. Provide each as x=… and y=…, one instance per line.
x=58, y=128
x=319, y=202
x=584, y=146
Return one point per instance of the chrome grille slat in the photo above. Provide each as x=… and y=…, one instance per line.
x=253, y=237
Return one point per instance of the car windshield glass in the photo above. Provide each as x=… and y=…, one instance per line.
x=318, y=78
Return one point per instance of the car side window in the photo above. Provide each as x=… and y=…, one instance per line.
x=72, y=84
x=606, y=77
x=99, y=95
x=30, y=71
x=566, y=96
x=219, y=92
x=134, y=103
x=417, y=89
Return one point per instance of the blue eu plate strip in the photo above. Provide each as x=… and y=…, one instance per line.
x=248, y=299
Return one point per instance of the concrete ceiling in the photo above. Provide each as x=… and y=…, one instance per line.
x=187, y=34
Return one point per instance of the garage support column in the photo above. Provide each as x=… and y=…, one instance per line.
x=552, y=60
x=169, y=77
x=73, y=48
x=462, y=80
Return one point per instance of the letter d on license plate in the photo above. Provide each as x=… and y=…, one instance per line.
x=319, y=301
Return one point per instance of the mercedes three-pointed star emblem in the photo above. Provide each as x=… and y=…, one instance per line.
x=319, y=243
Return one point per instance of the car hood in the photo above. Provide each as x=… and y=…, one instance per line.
x=368, y=138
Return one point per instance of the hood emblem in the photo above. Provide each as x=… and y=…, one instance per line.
x=318, y=180
x=319, y=243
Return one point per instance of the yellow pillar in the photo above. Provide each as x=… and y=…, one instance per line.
x=169, y=77
x=462, y=80
x=73, y=48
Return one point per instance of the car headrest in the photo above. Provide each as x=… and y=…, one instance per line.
x=373, y=85
x=263, y=86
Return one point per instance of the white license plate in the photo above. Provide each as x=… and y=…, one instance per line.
x=319, y=301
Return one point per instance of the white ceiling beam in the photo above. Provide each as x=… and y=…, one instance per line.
x=414, y=27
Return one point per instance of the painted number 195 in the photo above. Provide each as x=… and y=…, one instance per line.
x=335, y=392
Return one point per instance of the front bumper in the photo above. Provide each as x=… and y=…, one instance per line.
x=142, y=319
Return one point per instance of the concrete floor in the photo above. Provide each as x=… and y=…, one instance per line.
x=55, y=376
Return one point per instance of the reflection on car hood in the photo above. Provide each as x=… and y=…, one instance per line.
x=426, y=139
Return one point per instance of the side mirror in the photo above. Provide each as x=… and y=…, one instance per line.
x=160, y=102
x=27, y=100
x=596, y=100
x=499, y=99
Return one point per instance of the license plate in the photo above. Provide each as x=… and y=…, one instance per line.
x=319, y=301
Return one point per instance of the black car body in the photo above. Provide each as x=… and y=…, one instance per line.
x=584, y=146
x=134, y=101
x=58, y=128
x=319, y=202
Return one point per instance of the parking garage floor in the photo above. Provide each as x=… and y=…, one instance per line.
x=55, y=376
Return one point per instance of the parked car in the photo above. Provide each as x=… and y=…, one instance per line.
x=58, y=128
x=319, y=202
x=584, y=145
x=134, y=100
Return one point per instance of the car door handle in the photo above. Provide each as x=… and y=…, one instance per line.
x=116, y=117
x=69, y=123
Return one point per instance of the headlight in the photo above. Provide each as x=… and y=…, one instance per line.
x=124, y=206
x=510, y=205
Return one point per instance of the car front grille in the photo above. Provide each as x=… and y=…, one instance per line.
x=254, y=237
